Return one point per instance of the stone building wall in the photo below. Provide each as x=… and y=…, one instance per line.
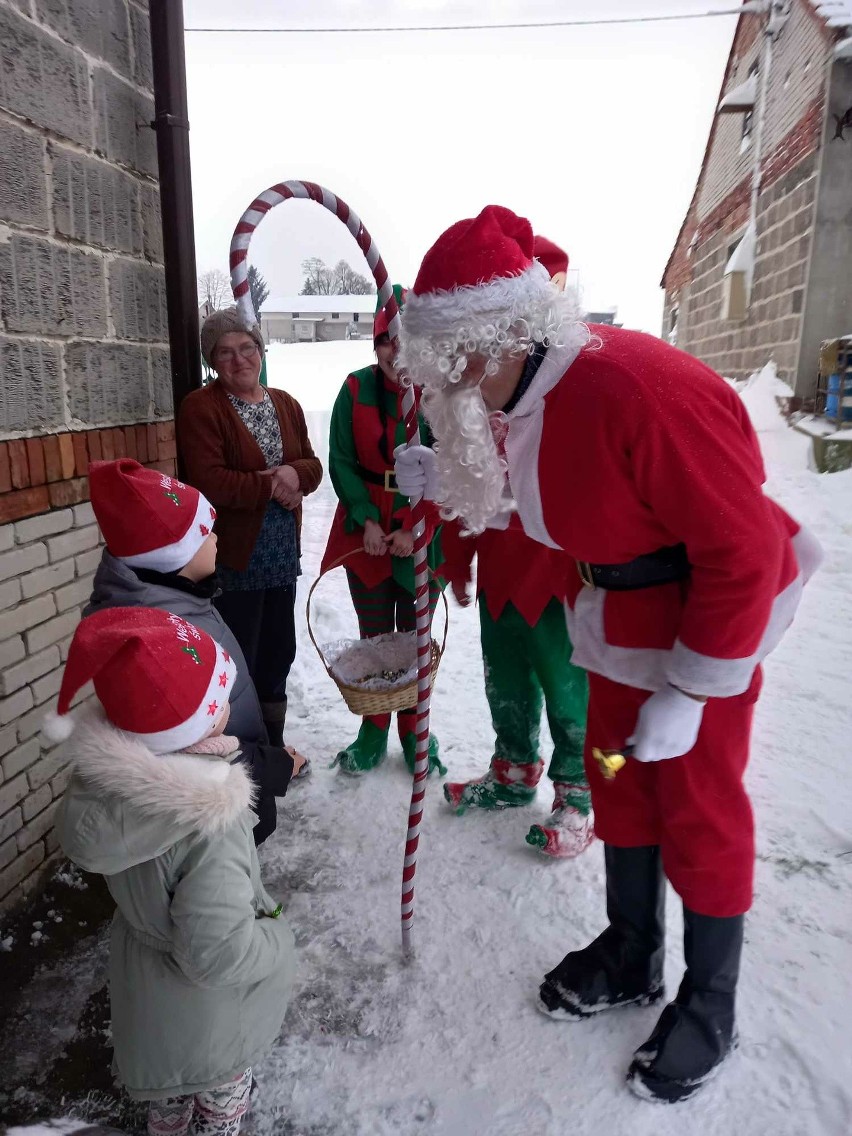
x=84, y=358
x=786, y=213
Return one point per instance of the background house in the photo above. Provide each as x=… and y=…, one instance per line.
x=762, y=266
x=308, y=319
x=84, y=357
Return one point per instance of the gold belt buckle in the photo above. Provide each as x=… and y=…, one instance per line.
x=585, y=570
x=390, y=474
x=609, y=762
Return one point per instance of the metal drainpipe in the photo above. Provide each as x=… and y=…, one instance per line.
x=171, y=124
x=766, y=65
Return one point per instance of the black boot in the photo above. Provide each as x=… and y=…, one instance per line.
x=624, y=965
x=274, y=714
x=696, y=1032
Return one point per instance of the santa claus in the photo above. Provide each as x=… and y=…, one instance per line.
x=639, y=462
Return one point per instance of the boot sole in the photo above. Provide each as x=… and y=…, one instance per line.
x=577, y=1013
x=664, y=1090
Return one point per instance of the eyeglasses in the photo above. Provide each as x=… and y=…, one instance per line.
x=226, y=355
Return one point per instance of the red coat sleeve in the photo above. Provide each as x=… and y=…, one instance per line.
x=458, y=553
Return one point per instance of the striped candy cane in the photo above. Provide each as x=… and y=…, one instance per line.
x=240, y=241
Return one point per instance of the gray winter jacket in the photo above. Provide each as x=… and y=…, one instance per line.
x=200, y=963
x=116, y=585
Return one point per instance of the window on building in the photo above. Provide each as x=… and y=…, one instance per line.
x=335, y=315
x=294, y=315
x=355, y=317
x=738, y=276
x=748, y=117
x=673, y=314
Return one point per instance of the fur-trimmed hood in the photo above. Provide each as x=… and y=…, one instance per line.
x=125, y=805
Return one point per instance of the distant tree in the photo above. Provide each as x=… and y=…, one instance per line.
x=214, y=288
x=258, y=288
x=347, y=282
x=317, y=275
x=342, y=280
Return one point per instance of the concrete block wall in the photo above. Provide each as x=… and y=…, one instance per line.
x=786, y=212
x=83, y=327
x=84, y=357
x=800, y=56
x=785, y=219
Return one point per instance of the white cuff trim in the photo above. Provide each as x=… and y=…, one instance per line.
x=205, y=717
x=436, y=313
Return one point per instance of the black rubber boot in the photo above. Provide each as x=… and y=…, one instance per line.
x=697, y=1031
x=274, y=714
x=624, y=965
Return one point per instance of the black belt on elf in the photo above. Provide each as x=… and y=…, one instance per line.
x=665, y=566
x=387, y=479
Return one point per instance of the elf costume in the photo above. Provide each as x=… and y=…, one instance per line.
x=366, y=425
x=640, y=462
x=521, y=588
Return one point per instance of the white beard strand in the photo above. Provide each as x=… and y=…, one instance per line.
x=472, y=472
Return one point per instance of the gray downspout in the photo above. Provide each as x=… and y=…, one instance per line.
x=171, y=124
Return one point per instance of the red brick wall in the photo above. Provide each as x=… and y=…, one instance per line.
x=38, y=474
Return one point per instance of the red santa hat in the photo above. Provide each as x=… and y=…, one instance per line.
x=481, y=271
x=148, y=520
x=158, y=678
x=553, y=258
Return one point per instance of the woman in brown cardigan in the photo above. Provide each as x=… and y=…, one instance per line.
x=247, y=449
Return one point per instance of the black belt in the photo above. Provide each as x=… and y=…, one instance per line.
x=387, y=480
x=661, y=567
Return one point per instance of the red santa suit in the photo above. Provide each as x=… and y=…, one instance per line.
x=614, y=453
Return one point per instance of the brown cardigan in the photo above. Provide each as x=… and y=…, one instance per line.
x=222, y=459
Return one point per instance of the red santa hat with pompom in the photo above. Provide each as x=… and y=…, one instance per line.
x=554, y=259
x=158, y=678
x=479, y=269
x=148, y=519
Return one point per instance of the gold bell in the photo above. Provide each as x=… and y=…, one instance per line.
x=609, y=762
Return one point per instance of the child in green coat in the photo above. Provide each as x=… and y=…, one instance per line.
x=201, y=962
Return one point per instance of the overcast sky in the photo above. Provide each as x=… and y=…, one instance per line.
x=596, y=134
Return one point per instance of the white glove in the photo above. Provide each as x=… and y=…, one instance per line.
x=667, y=726
x=416, y=473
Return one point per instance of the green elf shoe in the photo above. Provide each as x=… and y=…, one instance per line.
x=409, y=746
x=368, y=750
x=505, y=786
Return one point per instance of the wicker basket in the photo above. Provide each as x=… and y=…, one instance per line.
x=366, y=702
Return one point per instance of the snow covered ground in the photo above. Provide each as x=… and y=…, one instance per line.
x=452, y=1045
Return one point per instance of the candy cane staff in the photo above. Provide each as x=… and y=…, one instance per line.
x=641, y=463
x=387, y=301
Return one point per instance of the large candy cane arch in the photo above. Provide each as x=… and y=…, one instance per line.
x=309, y=191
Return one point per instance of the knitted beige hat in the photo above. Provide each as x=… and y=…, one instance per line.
x=220, y=323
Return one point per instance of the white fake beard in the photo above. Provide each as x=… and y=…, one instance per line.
x=472, y=473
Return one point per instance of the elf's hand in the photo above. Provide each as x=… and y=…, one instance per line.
x=416, y=472
x=400, y=543
x=667, y=726
x=374, y=539
x=462, y=593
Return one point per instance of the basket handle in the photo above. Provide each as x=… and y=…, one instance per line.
x=336, y=564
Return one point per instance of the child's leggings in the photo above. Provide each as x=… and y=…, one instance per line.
x=215, y=1112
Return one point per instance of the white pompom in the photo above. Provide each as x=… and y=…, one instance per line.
x=57, y=727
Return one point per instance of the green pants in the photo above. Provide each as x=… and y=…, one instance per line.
x=527, y=665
